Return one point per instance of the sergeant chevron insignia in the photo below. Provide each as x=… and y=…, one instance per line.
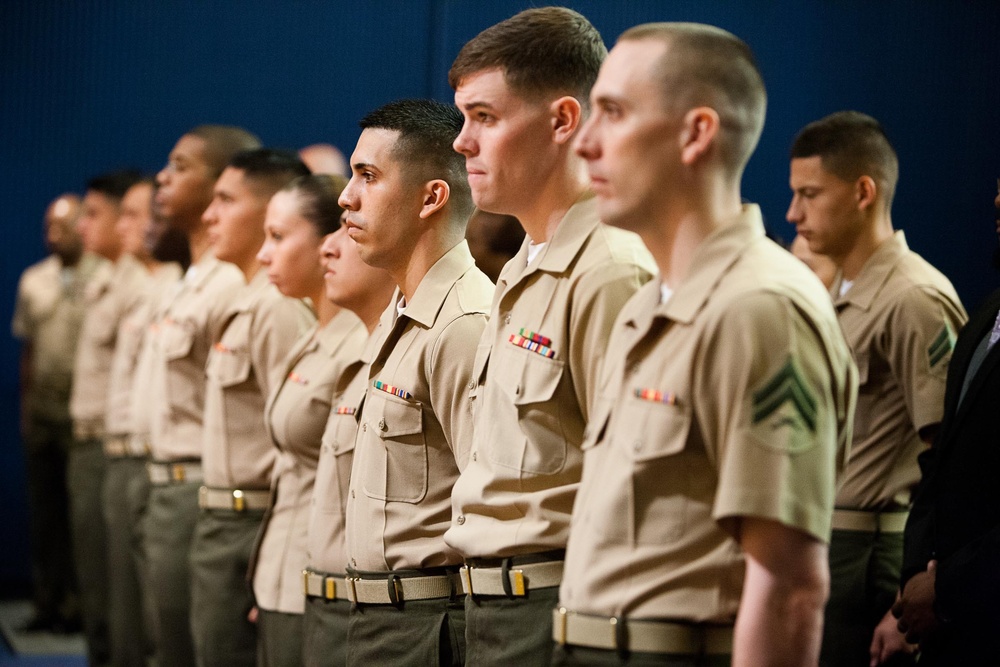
x=786, y=386
x=941, y=347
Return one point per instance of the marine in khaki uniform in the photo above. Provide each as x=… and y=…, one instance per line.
x=727, y=396
x=901, y=318
x=407, y=207
x=47, y=315
x=108, y=297
x=365, y=291
x=190, y=323
x=125, y=481
x=298, y=219
x=522, y=86
x=260, y=326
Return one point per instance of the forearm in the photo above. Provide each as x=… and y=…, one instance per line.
x=778, y=623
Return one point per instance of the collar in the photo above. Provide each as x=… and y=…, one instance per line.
x=434, y=287
x=875, y=272
x=198, y=274
x=559, y=252
x=712, y=259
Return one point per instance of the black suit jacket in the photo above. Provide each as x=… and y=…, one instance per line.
x=956, y=511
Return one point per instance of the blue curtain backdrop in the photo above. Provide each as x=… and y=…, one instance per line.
x=92, y=85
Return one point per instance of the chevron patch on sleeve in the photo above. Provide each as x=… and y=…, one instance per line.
x=941, y=347
x=787, y=386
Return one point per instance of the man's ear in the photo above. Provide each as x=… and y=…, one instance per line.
x=566, y=113
x=699, y=130
x=436, y=194
x=865, y=192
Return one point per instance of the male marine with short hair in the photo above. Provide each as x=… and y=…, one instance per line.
x=522, y=86
x=699, y=532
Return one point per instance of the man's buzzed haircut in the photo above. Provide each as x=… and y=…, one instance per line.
x=114, y=184
x=540, y=51
x=850, y=145
x=268, y=170
x=708, y=66
x=222, y=142
x=427, y=129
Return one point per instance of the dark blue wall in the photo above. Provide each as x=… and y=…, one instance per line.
x=93, y=85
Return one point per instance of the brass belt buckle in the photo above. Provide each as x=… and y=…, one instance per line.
x=352, y=592
x=466, y=573
x=239, y=501
x=330, y=586
x=563, y=619
x=177, y=472
x=305, y=582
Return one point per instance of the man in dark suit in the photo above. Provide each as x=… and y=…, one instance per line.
x=951, y=563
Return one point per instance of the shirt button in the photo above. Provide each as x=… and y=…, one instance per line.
x=352, y=493
x=472, y=384
x=506, y=320
x=473, y=456
x=637, y=445
x=461, y=519
x=364, y=426
x=381, y=424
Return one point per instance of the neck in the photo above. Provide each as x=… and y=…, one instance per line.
x=326, y=310
x=673, y=240
x=371, y=309
x=198, y=243
x=435, y=242
x=875, y=233
x=556, y=196
x=249, y=267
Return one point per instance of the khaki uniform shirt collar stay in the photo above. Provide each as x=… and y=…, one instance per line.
x=711, y=260
x=874, y=274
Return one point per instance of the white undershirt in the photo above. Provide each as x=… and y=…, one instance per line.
x=844, y=286
x=534, y=249
x=401, y=306
x=665, y=293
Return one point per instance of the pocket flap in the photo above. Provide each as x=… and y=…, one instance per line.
x=229, y=368
x=539, y=378
x=399, y=418
x=655, y=429
x=175, y=341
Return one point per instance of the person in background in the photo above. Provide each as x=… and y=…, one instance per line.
x=493, y=239
x=700, y=528
x=108, y=297
x=522, y=88
x=48, y=313
x=950, y=580
x=324, y=159
x=900, y=317
x=299, y=217
x=260, y=325
x=366, y=292
x=183, y=333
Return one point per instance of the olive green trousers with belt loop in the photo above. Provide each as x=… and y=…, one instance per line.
x=864, y=579
x=167, y=532
x=126, y=610
x=325, y=633
x=85, y=482
x=421, y=633
x=220, y=595
x=279, y=639
x=503, y=631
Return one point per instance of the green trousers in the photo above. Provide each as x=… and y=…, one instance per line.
x=421, y=633
x=500, y=631
x=279, y=639
x=324, y=642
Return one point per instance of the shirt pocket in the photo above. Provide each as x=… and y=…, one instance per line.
x=531, y=381
x=228, y=368
x=398, y=469
x=653, y=438
x=183, y=387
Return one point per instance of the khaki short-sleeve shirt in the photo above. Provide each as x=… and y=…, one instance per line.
x=534, y=380
x=190, y=325
x=243, y=366
x=113, y=291
x=416, y=425
x=732, y=399
x=900, y=317
x=327, y=550
x=124, y=383
x=297, y=412
x=49, y=313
